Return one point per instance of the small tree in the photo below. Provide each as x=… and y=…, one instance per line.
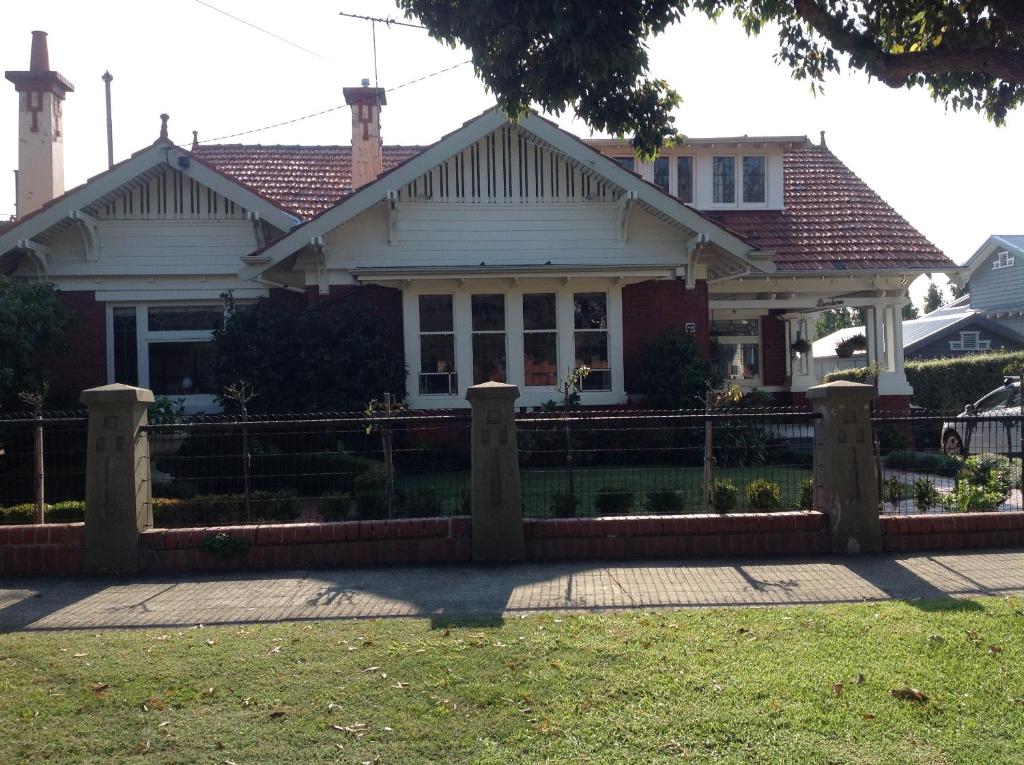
x=673, y=372
x=934, y=298
x=33, y=327
x=910, y=312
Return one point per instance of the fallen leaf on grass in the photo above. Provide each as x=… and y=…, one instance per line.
x=143, y=747
x=80, y=655
x=211, y=641
x=99, y=688
x=164, y=723
x=371, y=669
x=908, y=694
x=154, y=703
x=994, y=649
x=355, y=729
x=837, y=689
x=860, y=679
x=332, y=707
x=275, y=649
x=277, y=714
x=400, y=685
x=868, y=716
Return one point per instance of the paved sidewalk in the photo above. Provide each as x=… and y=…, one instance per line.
x=442, y=593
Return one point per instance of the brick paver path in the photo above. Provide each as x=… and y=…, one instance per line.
x=463, y=591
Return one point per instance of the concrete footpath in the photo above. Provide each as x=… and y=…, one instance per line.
x=457, y=592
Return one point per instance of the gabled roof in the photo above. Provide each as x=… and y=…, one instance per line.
x=304, y=179
x=832, y=221
x=929, y=332
x=1014, y=243
x=472, y=131
x=110, y=181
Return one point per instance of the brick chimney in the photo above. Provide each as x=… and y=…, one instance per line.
x=40, y=131
x=367, y=162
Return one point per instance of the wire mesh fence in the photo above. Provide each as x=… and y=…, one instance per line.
x=42, y=462
x=944, y=463
x=626, y=462
x=328, y=466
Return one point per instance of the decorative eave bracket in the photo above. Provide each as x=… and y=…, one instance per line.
x=88, y=227
x=694, y=247
x=37, y=250
x=258, y=230
x=626, y=203
x=320, y=258
x=391, y=208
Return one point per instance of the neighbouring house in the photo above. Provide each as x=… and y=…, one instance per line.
x=502, y=251
x=994, y=277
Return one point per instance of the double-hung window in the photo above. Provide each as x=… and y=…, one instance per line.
x=661, y=169
x=437, y=345
x=754, y=190
x=489, y=349
x=723, y=180
x=737, y=348
x=590, y=338
x=540, y=339
x=684, y=179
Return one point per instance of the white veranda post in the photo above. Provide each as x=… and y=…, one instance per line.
x=800, y=370
x=885, y=348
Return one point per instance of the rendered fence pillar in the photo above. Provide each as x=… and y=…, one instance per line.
x=845, y=478
x=496, y=493
x=117, y=483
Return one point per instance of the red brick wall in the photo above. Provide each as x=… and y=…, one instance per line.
x=955, y=531
x=85, y=363
x=54, y=548
x=773, y=349
x=651, y=308
x=383, y=302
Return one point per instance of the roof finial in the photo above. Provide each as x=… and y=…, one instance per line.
x=163, y=125
x=195, y=140
x=823, y=144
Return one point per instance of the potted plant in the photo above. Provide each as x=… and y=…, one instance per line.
x=845, y=349
x=166, y=441
x=800, y=346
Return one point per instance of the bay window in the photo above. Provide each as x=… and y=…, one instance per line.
x=736, y=345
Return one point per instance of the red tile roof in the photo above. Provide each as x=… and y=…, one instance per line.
x=832, y=220
x=303, y=179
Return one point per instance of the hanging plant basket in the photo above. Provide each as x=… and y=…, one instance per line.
x=800, y=346
x=847, y=347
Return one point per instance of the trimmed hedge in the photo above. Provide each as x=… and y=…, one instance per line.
x=69, y=511
x=947, y=384
x=924, y=462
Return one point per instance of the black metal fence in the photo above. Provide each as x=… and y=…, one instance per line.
x=644, y=462
x=42, y=457
x=940, y=463
x=327, y=466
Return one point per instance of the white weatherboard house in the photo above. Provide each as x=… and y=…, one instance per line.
x=502, y=251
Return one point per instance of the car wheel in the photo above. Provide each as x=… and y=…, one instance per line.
x=952, y=445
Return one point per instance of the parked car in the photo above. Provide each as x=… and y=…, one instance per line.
x=975, y=431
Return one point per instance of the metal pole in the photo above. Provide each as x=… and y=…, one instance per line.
x=40, y=477
x=107, y=77
x=709, y=476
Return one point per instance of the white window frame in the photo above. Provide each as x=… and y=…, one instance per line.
x=674, y=173
x=741, y=187
x=740, y=201
x=1002, y=260
x=195, y=403
x=975, y=343
x=503, y=332
x=529, y=395
x=419, y=344
x=737, y=191
x=754, y=382
x=525, y=332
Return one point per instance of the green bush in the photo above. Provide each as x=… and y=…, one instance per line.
x=970, y=498
x=892, y=492
x=336, y=506
x=724, y=495
x=673, y=372
x=806, y=499
x=923, y=462
x=764, y=495
x=564, y=506
x=993, y=471
x=666, y=502
x=223, y=509
x=974, y=376
x=423, y=503
x=613, y=500
x=926, y=496
x=33, y=334
x=69, y=511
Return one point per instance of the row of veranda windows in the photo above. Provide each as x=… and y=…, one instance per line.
x=438, y=374
x=752, y=183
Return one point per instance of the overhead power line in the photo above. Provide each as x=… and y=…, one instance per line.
x=332, y=108
x=390, y=22
x=276, y=36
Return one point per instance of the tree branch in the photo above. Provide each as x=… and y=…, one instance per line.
x=894, y=68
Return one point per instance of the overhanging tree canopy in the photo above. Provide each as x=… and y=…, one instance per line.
x=591, y=54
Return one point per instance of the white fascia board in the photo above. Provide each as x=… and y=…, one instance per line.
x=650, y=195
x=991, y=244
x=376, y=192
x=514, y=272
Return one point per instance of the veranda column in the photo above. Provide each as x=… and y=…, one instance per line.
x=892, y=381
x=118, y=501
x=496, y=491
x=845, y=472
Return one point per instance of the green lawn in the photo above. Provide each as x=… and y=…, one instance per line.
x=541, y=486
x=725, y=686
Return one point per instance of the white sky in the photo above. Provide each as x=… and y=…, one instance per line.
x=951, y=175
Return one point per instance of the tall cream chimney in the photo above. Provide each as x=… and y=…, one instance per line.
x=40, y=132
x=367, y=162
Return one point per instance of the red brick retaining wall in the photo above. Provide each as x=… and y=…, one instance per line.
x=955, y=531
x=53, y=548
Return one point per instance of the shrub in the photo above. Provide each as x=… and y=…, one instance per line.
x=327, y=356
x=806, y=498
x=975, y=375
x=724, y=495
x=336, y=506
x=968, y=497
x=892, y=492
x=764, y=495
x=923, y=462
x=666, y=502
x=673, y=373
x=736, y=443
x=613, y=500
x=224, y=545
x=564, y=506
x=925, y=495
x=993, y=471
x=223, y=509
x=69, y=511
x=33, y=327
x=424, y=503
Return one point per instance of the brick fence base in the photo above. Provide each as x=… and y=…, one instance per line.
x=57, y=548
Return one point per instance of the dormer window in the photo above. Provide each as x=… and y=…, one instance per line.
x=1002, y=260
x=661, y=173
x=627, y=162
x=723, y=180
x=754, y=180
x=684, y=179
